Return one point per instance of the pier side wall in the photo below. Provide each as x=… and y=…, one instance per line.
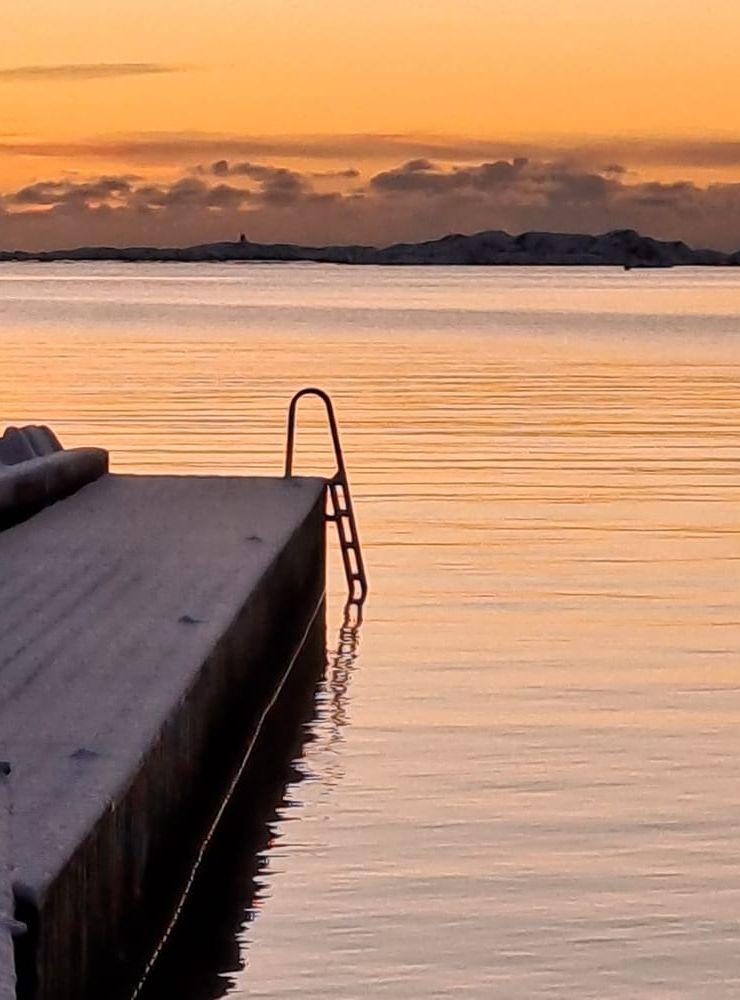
x=7, y=963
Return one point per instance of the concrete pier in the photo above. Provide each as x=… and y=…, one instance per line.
x=7, y=959
x=139, y=618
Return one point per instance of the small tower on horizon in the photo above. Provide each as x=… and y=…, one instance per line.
x=242, y=238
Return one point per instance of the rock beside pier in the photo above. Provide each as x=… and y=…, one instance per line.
x=36, y=471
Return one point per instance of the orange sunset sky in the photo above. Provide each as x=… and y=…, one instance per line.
x=350, y=120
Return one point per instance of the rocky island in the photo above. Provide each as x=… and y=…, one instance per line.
x=622, y=247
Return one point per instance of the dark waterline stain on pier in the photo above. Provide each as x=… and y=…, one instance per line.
x=203, y=952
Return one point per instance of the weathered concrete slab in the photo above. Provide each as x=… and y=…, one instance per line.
x=135, y=615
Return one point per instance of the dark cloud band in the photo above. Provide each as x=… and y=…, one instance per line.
x=176, y=148
x=416, y=200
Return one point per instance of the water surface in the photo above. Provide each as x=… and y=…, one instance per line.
x=525, y=785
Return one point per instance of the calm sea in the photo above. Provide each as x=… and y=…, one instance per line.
x=523, y=779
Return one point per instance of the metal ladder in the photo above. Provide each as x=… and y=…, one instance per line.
x=341, y=510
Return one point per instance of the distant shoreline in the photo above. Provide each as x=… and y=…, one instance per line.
x=619, y=248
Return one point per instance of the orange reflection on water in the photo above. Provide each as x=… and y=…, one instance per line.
x=533, y=790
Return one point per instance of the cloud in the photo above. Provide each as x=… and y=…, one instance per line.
x=124, y=193
x=82, y=71
x=351, y=173
x=50, y=193
x=423, y=176
x=521, y=194
x=278, y=185
x=415, y=200
x=188, y=193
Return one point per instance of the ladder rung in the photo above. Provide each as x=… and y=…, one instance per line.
x=338, y=488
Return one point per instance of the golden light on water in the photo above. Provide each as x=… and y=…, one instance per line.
x=538, y=743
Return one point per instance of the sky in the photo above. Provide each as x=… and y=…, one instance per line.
x=185, y=121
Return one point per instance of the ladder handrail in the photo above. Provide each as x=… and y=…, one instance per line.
x=342, y=508
x=326, y=400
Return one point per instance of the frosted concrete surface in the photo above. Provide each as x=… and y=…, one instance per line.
x=117, y=604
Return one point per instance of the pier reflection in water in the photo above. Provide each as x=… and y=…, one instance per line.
x=299, y=743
